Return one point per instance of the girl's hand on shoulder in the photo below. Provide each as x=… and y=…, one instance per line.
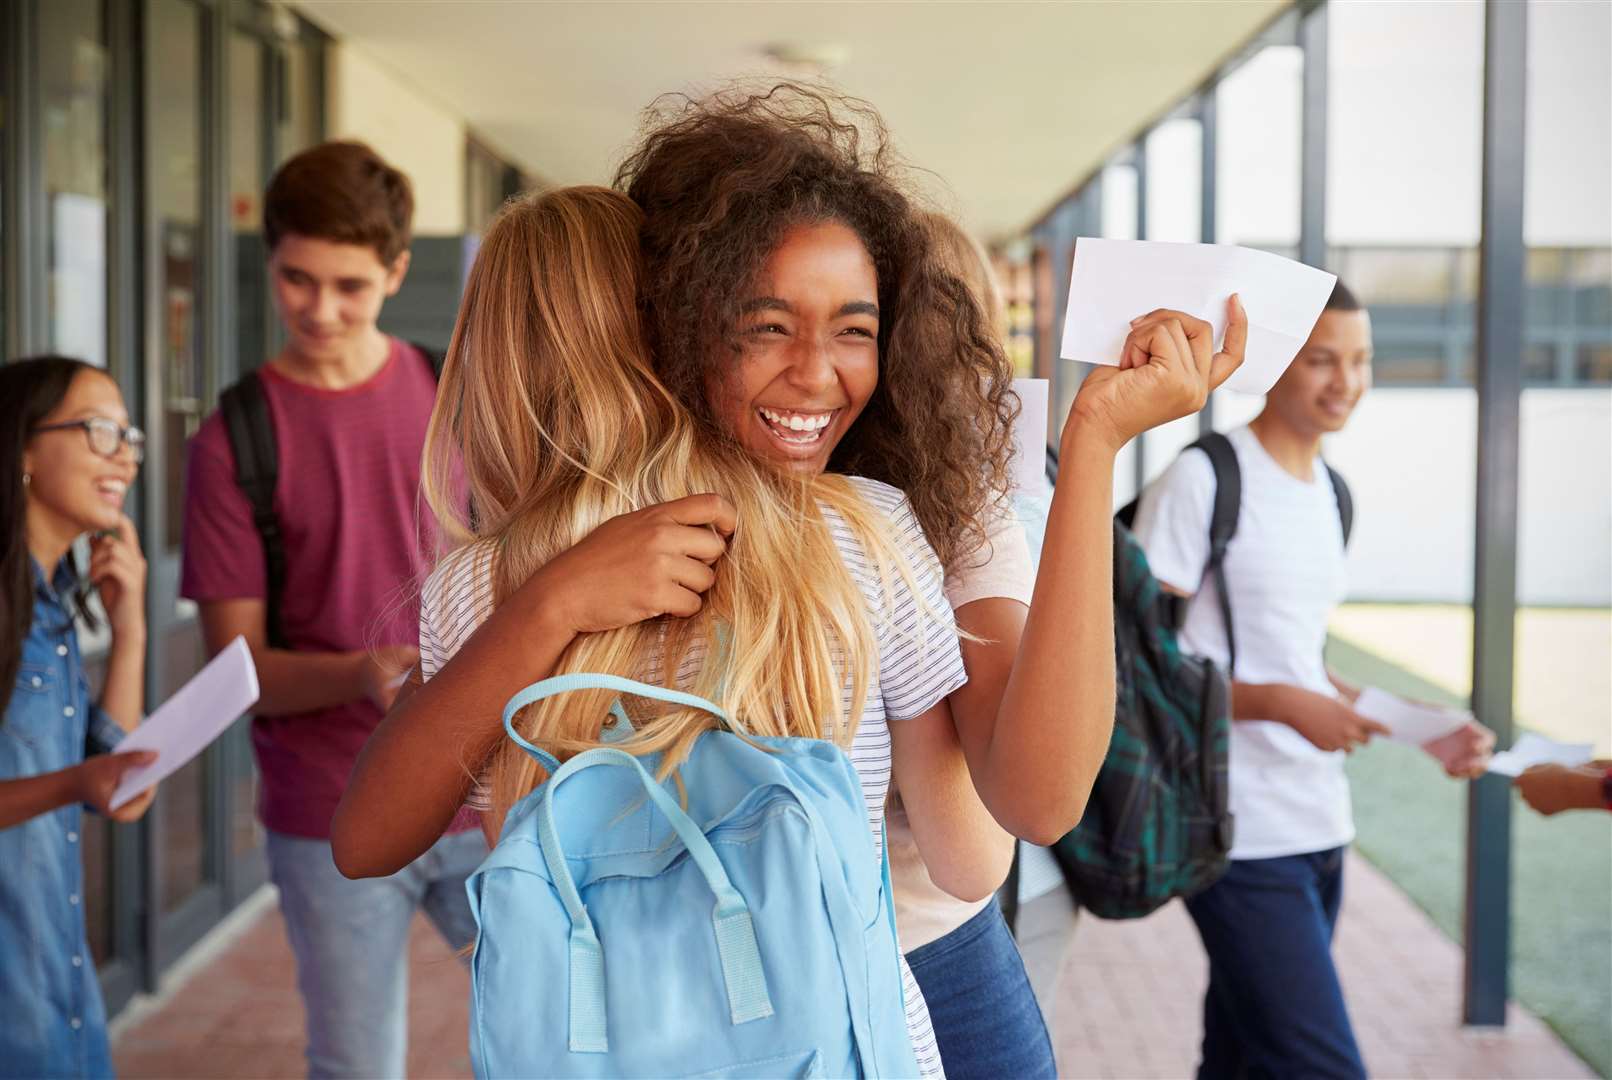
x=118, y=571
x=1166, y=371
x=652, y=562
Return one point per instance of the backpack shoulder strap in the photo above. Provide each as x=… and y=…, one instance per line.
x=434, y=357
x=250, y=428
x=1223, y=524
x=1346, y=503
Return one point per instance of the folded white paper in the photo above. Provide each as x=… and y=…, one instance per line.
x=1030, y=436
x=1115, y=281
x=186, y=723
x=1407, y=721
x=1532, y=749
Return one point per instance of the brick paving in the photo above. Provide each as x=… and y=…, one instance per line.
x=1122, y=999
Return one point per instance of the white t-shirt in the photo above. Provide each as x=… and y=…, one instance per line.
x=1285, y=573
x=919, y=663
x=1000, y=568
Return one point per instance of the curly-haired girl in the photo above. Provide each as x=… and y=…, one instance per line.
x=796, y=303
x=601, y=508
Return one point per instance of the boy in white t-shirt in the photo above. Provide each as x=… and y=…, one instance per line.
x=1274, y=1005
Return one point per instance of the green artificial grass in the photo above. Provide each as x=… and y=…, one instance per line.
x=1411, y=823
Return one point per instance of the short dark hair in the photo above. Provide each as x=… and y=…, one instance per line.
x=343, y=192
x=1342, y=299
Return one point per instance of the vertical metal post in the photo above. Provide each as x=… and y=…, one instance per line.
x=1494, y=599
x=27, y=317
x=1313, y=142
x=1206, y=207
x=1139, y=156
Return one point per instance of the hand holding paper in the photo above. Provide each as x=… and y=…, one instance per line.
x=186, y=723
x=1532, y=749
x=1114, y=281
x=1407, y=721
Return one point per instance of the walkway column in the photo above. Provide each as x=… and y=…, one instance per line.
x=1494, y=596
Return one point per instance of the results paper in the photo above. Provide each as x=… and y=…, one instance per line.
x=186, y=723
x=1532, y=749
x=1115, y=281
x=1406, y=721
x=1030, y=436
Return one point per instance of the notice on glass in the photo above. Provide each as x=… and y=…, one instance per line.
x=185, y=724
x=1115, y=281
x=1030, y=436
x=1408, y=721
x=1532, y=749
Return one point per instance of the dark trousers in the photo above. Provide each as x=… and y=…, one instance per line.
x=1274, y=1006
x=987, y=1022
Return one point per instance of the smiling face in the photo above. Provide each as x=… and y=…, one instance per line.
x=329, y=295
x=72, y=489
x=1320, y=389
x=809, y=349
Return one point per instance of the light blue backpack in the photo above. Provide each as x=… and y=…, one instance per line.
x=752, y=935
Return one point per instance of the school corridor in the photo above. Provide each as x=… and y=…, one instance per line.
x=1122, y=999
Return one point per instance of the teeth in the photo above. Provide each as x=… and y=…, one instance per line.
x=797, y=421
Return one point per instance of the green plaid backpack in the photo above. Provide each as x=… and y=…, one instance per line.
x=1157, y=824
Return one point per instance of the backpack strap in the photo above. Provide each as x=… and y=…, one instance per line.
x=1223, y=526
x=435, y=357
x=1346, y=503
x=245, y=410
x=737, y=948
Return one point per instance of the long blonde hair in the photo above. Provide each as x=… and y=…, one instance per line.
x=550, y=421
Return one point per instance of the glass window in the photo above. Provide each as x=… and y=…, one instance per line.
x=1119, y=201
x=174, y=167
x=73, y=61
x=1175, y=181
x=1258, y=137
x=248, y=113
x=302, y=122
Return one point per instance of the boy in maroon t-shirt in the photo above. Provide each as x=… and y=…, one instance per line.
x=349, y=407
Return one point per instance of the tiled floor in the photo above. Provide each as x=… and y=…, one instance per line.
x=1122, y=1000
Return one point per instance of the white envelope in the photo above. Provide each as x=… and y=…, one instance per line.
x=1406, y=721
x=186, y=723
x=1030, y=436
x=1115, y=281
x=1532, y=749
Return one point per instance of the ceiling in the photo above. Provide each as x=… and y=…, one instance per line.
x=1005, y=105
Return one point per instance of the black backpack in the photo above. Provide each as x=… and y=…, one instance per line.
x=1157, y=825
x=257, y=470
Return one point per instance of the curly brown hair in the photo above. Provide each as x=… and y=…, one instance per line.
x=720, y=180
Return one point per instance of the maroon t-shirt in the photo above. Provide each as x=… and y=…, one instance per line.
x=357, y=538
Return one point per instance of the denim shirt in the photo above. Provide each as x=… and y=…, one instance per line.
x=52, y=1020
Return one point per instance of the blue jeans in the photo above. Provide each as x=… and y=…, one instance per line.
x=351, y=942
x=1274, y=1006
x=985, y=1015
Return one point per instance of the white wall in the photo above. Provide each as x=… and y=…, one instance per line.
x=368, y=102
x=1410, y=456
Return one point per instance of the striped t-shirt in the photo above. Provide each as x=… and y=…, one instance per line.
x=919, y=661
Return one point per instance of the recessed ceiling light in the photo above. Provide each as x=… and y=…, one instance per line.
x=809, y=58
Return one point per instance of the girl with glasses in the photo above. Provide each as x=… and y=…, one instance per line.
x=67, y=458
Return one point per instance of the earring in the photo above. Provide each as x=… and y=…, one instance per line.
x=27, y=478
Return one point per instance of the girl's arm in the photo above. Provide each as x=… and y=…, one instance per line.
x=118, y=570
x=416, y=770
x=966, y=852
x=91, y=781
x=1038, y=709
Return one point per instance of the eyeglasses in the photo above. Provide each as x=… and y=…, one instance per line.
x=105, y=436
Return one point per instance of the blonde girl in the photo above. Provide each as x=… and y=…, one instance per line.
x=605, y=531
